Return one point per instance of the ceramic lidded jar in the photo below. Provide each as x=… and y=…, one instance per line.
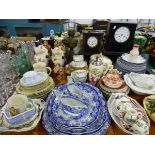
x=134, y=53
x=96, y=63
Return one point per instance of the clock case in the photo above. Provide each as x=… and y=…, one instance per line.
x=97, y=49
x=112, y=47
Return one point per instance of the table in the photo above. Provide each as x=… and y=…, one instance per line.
x=113, y=129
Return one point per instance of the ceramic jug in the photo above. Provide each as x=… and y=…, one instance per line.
x=41, y=54
x=41, y=67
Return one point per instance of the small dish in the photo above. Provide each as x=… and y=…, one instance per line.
x=143, y=80
x=136, y=89
x=149, y=106
x=20, y=117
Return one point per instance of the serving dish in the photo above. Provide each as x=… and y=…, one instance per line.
x=86, y=115
x=143, y=80
x=136, y=89
x=128, y=114
x=21, y=116
x=149, y=106
x=27, y=125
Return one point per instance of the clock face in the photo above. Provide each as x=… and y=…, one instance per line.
x=122, y=34
x=92, y=41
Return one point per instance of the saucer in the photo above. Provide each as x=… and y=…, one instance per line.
x=33, y=78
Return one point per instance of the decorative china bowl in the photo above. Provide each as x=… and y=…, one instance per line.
x=149, y=106
x=128, y=114
x=21, y=116
x=136, y=89
x=112, y=79
x=143, y=80
x=79, y=75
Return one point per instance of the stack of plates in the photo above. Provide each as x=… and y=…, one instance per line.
x=141, y=86
x=76, y=109
x=124, y=65
x=38, y=85
x=107, y=91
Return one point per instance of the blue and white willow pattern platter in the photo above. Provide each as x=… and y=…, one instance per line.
x=84, y=113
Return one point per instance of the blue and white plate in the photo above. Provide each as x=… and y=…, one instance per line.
x=68, y=113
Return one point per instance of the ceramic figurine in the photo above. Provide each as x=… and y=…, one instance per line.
x=58, y=56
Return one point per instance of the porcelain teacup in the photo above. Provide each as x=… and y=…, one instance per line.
x=41, y=67
x=132, y=116
x=18, y=102
x=78, y=58
x=79, y=75
x=121, y=108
